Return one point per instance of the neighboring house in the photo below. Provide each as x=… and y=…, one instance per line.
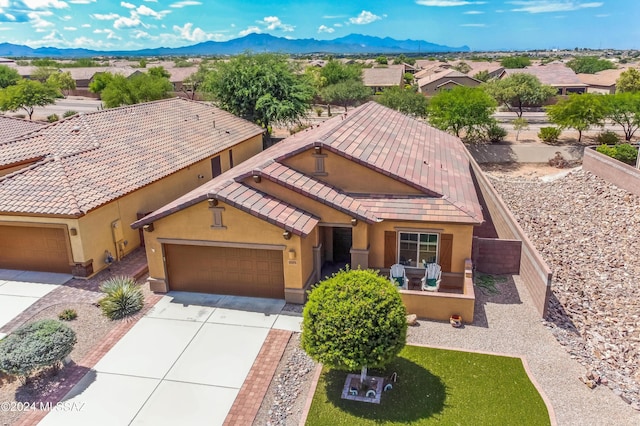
x=603, y=82
x=494, y=69
x=74, y=186
x=370, y=188
x=6, y=61
x=179, y=75
x=555, y=74
x=445, y=80
x=379, y=79
x=13, y=128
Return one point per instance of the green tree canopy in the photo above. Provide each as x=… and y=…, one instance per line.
x=589, y=65
x=63, y=81
x=407, y=101
x=519, y=90
x=8, y=76
x=354, y=319
x=43, y=73
x=158, y=72
x=578, y=111
x=117, y=90
x=515, y=62
x=193, y=84
x=26, y=95
x=262, y=88
x=629, y=81
x=335, y=72
x=482, y=76
x=467, y=109
x=346, y=93
x=624, y=110
x=462, y=67
x=382, y=60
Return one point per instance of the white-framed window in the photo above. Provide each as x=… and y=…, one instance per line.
x=414, y=247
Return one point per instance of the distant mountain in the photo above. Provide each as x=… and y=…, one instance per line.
x=351, y=44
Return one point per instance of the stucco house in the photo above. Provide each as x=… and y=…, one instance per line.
x=69, y=191
x=379, y=79
x=445, y=80
x=370, y=188
x=555, y=74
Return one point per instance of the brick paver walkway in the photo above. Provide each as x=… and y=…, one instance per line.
x=83, y=290
x=247, y=403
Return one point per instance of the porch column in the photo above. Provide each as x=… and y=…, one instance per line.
x=360, y=246
x=317, y=261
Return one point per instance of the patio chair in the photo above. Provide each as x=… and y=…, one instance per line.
x=398, y=276
x=432, y=277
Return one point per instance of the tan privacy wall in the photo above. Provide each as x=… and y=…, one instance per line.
x=533, y=270
x=613, y=171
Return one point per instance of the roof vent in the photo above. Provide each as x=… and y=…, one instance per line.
x=76, y=129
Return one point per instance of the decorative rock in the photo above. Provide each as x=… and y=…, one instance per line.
x=412, y=319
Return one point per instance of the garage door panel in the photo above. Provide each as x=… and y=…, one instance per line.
x=34, y=248
x=223, y=270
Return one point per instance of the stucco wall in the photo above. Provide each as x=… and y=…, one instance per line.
x=444, y=83
x=616, y=172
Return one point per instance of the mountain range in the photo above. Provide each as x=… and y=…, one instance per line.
x=348, y=45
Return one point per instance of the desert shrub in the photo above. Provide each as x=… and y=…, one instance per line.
x=318, y=111
x=69, y=113
x=123, y=297
x=53, y=118
x=39, y=344
x=623, y=152
x=558, y=161
x=298, y=128
x=68, y=315
x=607, y=137
x=549, y=134
x=496, y=133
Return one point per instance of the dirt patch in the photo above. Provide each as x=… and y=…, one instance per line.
x=90, y=326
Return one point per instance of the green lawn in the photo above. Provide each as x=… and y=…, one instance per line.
x=437, y=386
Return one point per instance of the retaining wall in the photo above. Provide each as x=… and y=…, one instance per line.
x=613, y=171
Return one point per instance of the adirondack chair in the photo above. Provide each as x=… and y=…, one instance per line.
x=398, y=276
x=432, y=277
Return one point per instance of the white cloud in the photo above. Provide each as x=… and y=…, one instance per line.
x=151, y=1
x=86, y=25
x=45, y=4
x=38, y=23
x=338, y=25
x=187, y=32
x=181, y=4
x=127, y=5
x=364, y=18
x=82, y=1
x=447, y=3
x=334, y=16
x=139, y=34
x=474, y=25
x=105, y=17
x=250, y=30
x=66, y=18
x=70, y=29
x=545, y=6
x=111, y=35
x=124, y=22
x=473, y=12
x=147, y=11
x=325, y=29
x=274, y=23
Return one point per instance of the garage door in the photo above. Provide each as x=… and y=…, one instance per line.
x=225, y=270
x=34, y=249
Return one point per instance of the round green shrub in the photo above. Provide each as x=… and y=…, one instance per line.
x=354, y=319
x=123, y=297
x=40, y=344
x=607, y=137
x=495, y=133
x=68, y=315
x=69, y=113
x=53, y=118
x=549, y=134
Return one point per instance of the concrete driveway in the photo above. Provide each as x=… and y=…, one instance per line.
x=182, y=363
x=21, y=289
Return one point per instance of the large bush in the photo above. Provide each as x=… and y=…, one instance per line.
x=123, y=297
x=549, y=134
x=354, y=319
x=40, y=344
x=623, y=152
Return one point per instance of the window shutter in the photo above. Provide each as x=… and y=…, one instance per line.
x=446, y=251
x=390, y=247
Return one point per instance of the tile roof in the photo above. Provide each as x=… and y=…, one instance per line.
x=446, y=74
x=553, y=74
x=602, y=78
x=91, y=159
x=376, y=137
x=11, y=128
x=382, y=76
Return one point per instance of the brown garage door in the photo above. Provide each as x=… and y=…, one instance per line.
x=34, y=249
x=225, y=270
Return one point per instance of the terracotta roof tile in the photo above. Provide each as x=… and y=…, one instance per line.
x=104, y=155
x=12, y=128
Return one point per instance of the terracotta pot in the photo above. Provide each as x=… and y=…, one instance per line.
x=455, y=321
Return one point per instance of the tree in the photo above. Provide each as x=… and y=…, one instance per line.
x=519, y=90
x=515, y=62
x=138, y=88
x=8, y=76
x=482, y=76
x=589, y=65
x=629, y=81
x=578, y=111
x=100, y=81
x=408, y=78
x=382, y=60
x=262, y=88
x=335, y=72
x=43, y=73
x=158, y=72
x=462, y=67
x=407, y=101
x=520, y=124
x=354, y=319
x=26, y=95
x=192, y=84
x=623, y=109
x=462, y=108
x=346, y=93
x=63, y=81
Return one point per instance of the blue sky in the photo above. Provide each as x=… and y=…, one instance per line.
x=482, y=25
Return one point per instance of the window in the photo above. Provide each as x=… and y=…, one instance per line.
x=416, y=247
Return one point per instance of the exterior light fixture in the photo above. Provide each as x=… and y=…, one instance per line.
x=257, y=178
x=73, y=231
x=354, y=222
x=148, y=227
x=212, y=202
x=318, y=149
x=286, y=235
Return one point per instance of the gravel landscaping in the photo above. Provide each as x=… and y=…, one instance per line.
x=588, y=231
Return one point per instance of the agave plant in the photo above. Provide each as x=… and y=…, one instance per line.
x=123, y=297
